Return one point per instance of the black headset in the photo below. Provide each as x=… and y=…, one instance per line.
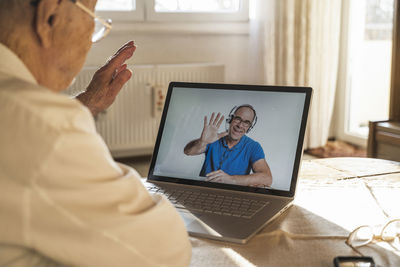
x=235, y=108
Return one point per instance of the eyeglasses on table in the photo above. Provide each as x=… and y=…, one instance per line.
x=364, y=235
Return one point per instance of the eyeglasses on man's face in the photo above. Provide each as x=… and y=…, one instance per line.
x=239, y=120
x=364, y=235
x=101, y=27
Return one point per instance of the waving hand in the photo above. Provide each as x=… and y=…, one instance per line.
x=210, y=130
x=208, y=135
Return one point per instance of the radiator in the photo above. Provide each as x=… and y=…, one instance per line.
x=129, y=127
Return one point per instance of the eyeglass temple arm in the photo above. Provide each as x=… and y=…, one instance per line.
x=91, y=13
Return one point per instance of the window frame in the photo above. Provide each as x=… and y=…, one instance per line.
x=394, y=110
x=134, y=15
x=145, y=12
x=241, y=15
x=342, y=130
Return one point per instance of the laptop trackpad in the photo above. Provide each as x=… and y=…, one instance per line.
x=195, y=226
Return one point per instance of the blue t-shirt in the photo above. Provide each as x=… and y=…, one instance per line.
x=235, y=161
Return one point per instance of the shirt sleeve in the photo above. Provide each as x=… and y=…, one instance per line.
x=257, y=153
x=87, y=210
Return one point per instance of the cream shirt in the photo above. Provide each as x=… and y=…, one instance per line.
x=63, y=199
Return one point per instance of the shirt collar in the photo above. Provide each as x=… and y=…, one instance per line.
x=12, y=65
x=237, y=146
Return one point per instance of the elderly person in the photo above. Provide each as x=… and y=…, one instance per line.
x=63, y=199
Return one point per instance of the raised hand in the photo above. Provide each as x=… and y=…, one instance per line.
x=208, y=135
x=108, y=80
x=210, y=130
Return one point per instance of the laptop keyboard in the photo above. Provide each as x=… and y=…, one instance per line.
x=211, y=203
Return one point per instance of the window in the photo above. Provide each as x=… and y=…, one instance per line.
x=368, y=65
x=121, y=10
x=174, y=10
x=196, y=6
x=116, y=5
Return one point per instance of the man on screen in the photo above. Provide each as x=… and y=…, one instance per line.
x=231, y=155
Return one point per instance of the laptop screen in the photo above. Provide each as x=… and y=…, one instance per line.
x=240, y=137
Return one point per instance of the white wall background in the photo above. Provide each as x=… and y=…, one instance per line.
x=240, y=51
x=279, y=117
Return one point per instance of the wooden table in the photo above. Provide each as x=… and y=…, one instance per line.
x=334, y=196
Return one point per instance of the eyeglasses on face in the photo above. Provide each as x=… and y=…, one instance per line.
x=364, y=235
x=239, y=120
x=101, y=27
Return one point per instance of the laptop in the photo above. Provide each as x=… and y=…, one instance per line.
x=229, y=186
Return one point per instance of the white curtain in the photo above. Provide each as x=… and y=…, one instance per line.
x=302, y=48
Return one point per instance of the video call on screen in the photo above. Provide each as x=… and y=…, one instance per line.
x=272, y=140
